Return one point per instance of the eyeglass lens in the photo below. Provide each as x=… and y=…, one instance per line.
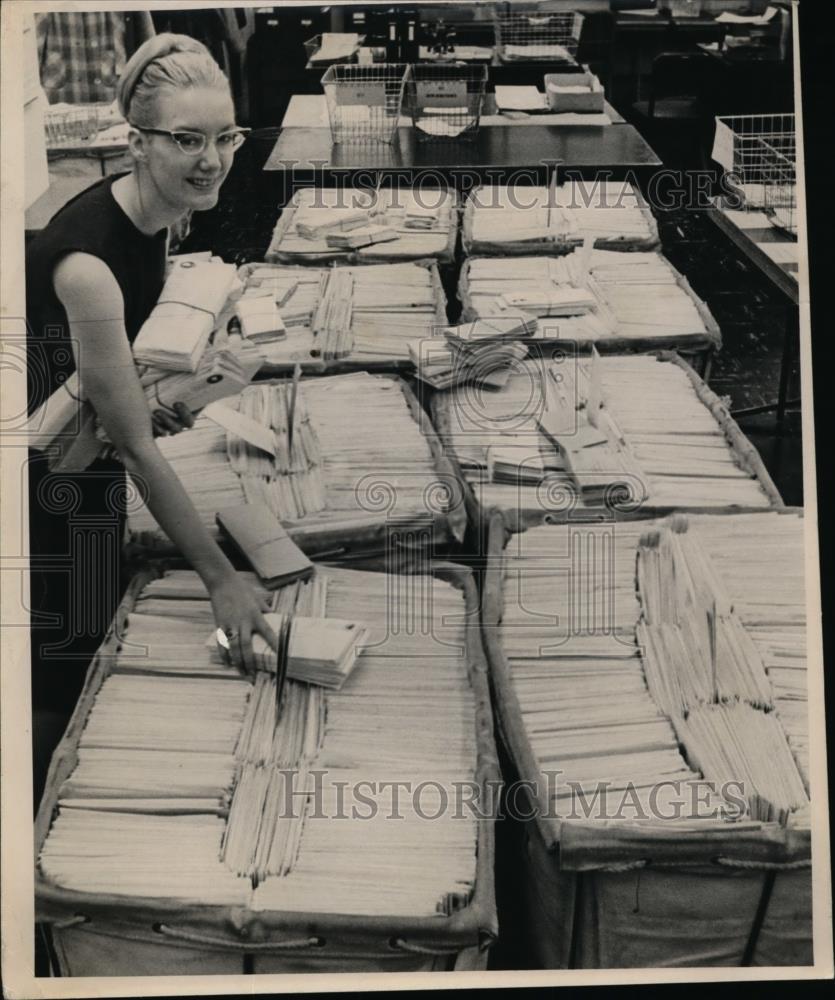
x=195, y=143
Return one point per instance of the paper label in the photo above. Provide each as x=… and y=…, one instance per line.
x=242, y=426
x=441, y=93
x=723, y=146
x=370, y=95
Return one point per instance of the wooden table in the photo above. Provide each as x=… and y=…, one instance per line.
x=776, y=254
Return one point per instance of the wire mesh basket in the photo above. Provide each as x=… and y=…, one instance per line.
x=744, y=145
x=71, y=127
x=682, y=8
x=780, y=188
x=364, y=102
x=444, y=102
x=537, y=35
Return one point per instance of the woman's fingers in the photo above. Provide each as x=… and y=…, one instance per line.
x=186, y=417
x=246, y=653
x=165, y=422
x=238, y=613
x=157, y=426
x=264, y=630
x=235, y=647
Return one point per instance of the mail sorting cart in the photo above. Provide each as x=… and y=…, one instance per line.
x=367, y=470
x=340, y=319
x=502, y=220
x=621, y=868
x=617, y=301
x=165, y=841
x=663, y=441
x=392, y=224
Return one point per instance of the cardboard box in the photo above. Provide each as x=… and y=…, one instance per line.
x=589, y=101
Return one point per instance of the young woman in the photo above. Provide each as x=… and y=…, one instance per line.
x=93, y=277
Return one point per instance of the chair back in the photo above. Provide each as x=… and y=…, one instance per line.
x=693, y=75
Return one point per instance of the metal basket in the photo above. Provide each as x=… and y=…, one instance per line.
x=534, y=35
x=444, y=101
x=780, y=186
x=71, y=128
x=744, y=145
x=364, y=101
x=683, y=8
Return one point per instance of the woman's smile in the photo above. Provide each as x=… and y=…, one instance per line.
x=205, y=183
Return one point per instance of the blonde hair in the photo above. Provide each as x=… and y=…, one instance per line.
x=166, y=60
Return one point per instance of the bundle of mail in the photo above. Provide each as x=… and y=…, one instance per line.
x=596, y=694
x=588, y=295
x=175, y=362
x=184, y=770
x=480, y=353
x=395, y=222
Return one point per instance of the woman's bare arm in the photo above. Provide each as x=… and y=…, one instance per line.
x=94, y=305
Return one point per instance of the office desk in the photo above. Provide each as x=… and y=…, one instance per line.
x=775, y=253
x=495, y=149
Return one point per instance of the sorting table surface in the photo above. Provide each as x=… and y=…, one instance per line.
x=618, y=147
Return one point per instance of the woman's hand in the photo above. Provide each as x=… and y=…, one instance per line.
x=239, y=613
x=165, y=422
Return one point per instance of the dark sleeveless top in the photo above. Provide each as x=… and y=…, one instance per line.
x=83, y=535
x=93, y=222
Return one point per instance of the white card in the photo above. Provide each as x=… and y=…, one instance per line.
x=242, y=426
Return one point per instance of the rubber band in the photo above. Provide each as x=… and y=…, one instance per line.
x=190, y=305
x=163, y=406
x=78, y=399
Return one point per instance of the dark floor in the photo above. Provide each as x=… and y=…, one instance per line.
x=749, y=310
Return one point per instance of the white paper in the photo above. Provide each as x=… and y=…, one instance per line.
x=595, y=389
x=723, y=146
x=757, y=19
x=519, y=98
x=242, y=426
x=336, y=46
x=361, y=95
x=443, y=94
x=258, y=314
x=781, y=253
